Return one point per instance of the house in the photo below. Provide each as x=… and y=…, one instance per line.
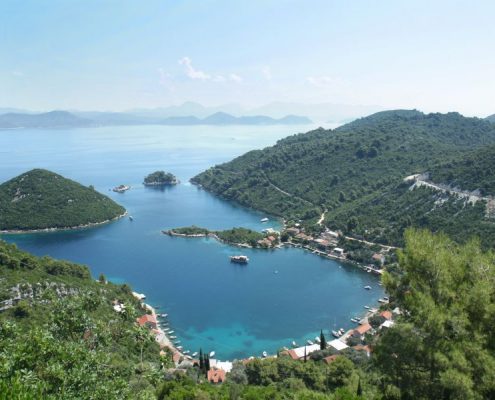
x=386, y=314
x=387, y=324
x=148, y=320
x=361, y=330
x=302, y=237
x=379, y=258
x=216, y=375
x=330, y=359
x=223, y=365
x=298, y=352
x=338, y=251
x=271, y=238
x=338, y=344
x=292, y=231
x=360, y=347
x=322, y=242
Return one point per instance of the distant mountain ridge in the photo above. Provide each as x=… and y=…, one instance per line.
x=491, y=118
x=65, y=119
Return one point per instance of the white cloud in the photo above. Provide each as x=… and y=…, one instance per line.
x=324, y=81
x=235, y=78
x=267, y=72
x=191, y=72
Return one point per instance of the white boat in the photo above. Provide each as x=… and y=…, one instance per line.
x=309, y=342
x=130, y=217
x=367, y=287
x=294, y=344
x=164, y=315
x=170, y=332
x=121, y=188
x=212, y=354
x=335, y=334
x=265, y=354
x=354, y=319
x=264, y=219
x=189, y=357
x=367, y=307
x=179, y=347
x=194, y=354
x=173, y=337
x=317, y=340
x=186, y=352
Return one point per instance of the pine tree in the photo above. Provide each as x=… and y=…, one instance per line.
x=201, y=361
x=323, y=341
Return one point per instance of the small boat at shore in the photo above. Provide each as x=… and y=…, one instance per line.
x=212, y=354
x=367, y=287
x=294, y=344
x=367, y=307
x=265, y=354
x=335, y=334
x=309, y=342
x=179, y=348
x=264, y=219
x=163, y=315
x=194, y=354
x=317, y=340
x=355, y=320
x=173, y=337
x=170, y=332
x=239, y=259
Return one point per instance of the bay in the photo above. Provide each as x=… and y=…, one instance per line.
x=237, y=311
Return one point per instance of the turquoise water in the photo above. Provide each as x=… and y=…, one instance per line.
x=237, y=311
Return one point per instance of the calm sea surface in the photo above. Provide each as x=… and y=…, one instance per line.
x=236, y=311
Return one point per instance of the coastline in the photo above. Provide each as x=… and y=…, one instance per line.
x=67, y=228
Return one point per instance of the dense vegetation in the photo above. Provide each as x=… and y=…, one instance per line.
x=473, y=171
x=61, y=339
x=41, y=199
x=491, y=118
x=355, y=173
x=160, y=178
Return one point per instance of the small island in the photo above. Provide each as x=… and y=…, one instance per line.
x=42, y=200
x=241, y=237
x=160, y=178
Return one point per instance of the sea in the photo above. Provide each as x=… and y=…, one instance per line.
x=238, y=311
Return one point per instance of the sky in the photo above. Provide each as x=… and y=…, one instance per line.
x=117, y=55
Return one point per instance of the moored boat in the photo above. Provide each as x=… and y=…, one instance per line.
x=265, y=354
x=121, y=188
x=212, y=354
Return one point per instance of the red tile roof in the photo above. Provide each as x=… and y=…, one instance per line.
x=362, y=329
x=147, y=319
x=386, y=314
x=216, y=375
x=330, y=359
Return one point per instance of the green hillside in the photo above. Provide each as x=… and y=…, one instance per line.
x=60, y=337
x=41, y=199
x=356, y=170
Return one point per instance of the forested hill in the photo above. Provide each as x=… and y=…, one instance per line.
x=359, y=164
x=41, y=199
x=60, y=337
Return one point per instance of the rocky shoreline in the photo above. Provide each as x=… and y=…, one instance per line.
x=68, y=228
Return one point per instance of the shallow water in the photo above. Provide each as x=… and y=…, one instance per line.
x=235, y=310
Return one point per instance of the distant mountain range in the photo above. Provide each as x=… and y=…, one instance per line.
x=491, y=118
x=59, y=119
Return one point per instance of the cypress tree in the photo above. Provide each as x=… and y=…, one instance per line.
x=359, y=388
x=305, y=356
x=201, y=361
x=207, y=362
x=323, y=341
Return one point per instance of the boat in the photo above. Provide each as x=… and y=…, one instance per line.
x=121, y=188
x=189, y=357
x=265, y=354
x=163, y=315
x=367, y=287
x=354, y=319
x=194, y=354
x=170, y=332
x=264, y=219
x=130, y=217
x=309, y=342
x=179, y=347
x=239, y=259
x=176, y=341
x=173, y=337
x=317, y=340
x=367, y=307
x=341, y=331
x=212, y=354
x=335, y=334
x=382, y=301
x=186, y=352
x=294, y=344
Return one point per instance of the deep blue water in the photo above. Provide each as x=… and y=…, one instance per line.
x=235, y=310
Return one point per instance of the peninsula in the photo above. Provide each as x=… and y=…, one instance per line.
x=241, y=237
x=43, y=200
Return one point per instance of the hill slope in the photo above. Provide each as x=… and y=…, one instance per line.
x=61, y=338
x=53, y=119
x=359, y=164
x=41, y=199
x=491, y=118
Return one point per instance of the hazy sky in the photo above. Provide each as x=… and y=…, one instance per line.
x=113, y=55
